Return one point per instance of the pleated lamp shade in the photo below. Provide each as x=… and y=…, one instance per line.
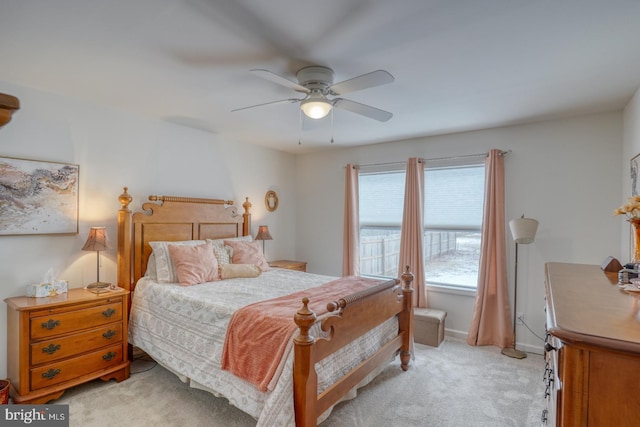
x=97, y=240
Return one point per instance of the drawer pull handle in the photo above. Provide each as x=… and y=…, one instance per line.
x=108, y=312
x=109, y=334
x=109, y=356
x=50, y=373
x=50, y=324
x=50, y=349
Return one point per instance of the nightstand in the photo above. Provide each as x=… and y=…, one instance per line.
x=288, y=264
x=57, y=342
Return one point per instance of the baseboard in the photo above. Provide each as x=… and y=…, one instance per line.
x=462, y=335
x=534, y=349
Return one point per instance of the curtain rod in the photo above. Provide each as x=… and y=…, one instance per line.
x=502, y=153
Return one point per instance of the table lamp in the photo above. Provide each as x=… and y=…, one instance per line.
x=97, y=241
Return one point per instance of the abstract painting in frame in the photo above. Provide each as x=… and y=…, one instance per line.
x=635, y=168
x=38, y=197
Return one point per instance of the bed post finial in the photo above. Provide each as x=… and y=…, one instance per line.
x=407, y=277
x=304, y=318
x=125, y=198
x=246, y=227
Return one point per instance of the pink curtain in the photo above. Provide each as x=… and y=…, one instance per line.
x=411, y=237
x=351, y=239
x=491, y=324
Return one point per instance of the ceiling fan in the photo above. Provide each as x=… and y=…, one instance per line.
x=317, y=83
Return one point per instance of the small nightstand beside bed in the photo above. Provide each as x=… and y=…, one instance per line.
x=60, y=341
x=344, y=333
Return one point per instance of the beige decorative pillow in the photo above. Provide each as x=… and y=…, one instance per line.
x=222, y=254
x=194, y=264
x=232, y=271
x=247, y=253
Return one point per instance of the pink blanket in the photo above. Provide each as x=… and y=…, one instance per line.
x=258, y=334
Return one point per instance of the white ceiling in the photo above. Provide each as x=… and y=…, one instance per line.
x=458, y=64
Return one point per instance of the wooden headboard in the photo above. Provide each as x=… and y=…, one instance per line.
x=170, y=218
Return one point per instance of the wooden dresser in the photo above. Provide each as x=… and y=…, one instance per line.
x=57, y=342
x=592, y=350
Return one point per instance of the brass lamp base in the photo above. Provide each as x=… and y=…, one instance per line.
x=512, y=352
x=98, y=285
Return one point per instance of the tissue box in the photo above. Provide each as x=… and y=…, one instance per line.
x=47, y=289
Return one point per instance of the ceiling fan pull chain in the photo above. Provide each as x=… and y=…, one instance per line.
x=332, y=125
x=300, y=119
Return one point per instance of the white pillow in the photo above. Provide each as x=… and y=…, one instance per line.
x=220, y=242
x=165, y=271
x=151, y=268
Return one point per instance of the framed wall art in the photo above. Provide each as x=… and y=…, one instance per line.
x=635, y=167
x=271, y=200
x=38, y=197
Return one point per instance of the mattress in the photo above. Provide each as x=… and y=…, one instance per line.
x=183, y=329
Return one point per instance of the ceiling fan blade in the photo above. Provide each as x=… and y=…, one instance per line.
x=268, y=75
x=362, y=109
x=374, y=78
x=282, y=101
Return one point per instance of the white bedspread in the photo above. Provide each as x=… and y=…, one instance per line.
x=183, y=329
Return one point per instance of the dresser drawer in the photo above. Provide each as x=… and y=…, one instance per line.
x=53, y=324
x=69, y=369
x=59, y=348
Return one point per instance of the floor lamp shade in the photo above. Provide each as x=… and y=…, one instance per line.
x=523, y=229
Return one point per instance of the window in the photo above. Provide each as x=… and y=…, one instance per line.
x=454, y=198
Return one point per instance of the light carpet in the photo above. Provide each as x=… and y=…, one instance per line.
x=451, y=385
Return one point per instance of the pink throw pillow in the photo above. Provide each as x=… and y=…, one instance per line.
x=247, y=253
x=194, y=264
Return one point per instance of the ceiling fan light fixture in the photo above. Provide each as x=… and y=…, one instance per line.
x=316, y=106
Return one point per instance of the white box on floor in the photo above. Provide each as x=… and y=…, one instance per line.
x=428, y=326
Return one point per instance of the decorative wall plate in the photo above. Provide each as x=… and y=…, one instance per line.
x=271, y=200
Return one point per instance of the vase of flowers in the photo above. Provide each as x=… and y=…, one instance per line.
x=631, y=210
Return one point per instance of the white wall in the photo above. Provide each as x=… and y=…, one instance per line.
x=116, y=149
x=565, y=173
x=630, y=149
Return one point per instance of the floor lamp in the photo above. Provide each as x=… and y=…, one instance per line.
x=523, y=231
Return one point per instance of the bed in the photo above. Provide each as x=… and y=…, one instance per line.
x=338, y=340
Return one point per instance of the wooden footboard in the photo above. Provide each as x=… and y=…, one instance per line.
x=348, y=318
